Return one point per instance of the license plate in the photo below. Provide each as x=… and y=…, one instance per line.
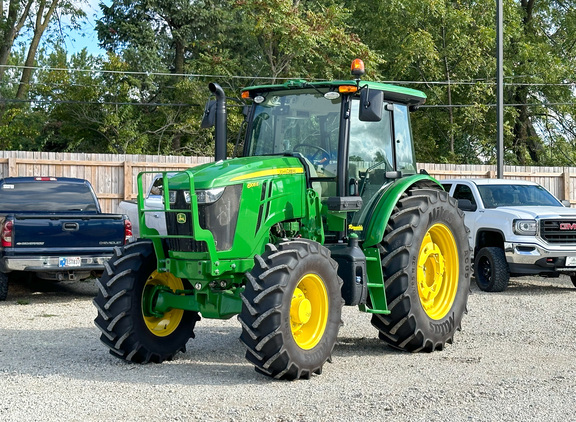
x=571, y=261
x=72, y=261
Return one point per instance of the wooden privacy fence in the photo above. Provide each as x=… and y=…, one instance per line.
x=114, y=176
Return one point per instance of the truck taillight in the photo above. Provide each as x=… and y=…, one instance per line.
x=6, y=236
x=128, y=235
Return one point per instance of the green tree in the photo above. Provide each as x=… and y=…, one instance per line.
x=540, y=65
x=453, y=42
x=426, y=41
x=296, y=38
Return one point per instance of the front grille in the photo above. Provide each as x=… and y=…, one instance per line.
x=558, y=231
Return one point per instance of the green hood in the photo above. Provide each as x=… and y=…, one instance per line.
x=237, y=170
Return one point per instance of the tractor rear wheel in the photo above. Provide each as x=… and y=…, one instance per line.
x=291, y=310
x=126, y=330
x=426, y=265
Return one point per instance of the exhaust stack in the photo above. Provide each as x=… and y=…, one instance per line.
x=220, y=126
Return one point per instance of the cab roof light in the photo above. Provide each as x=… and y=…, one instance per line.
x=245, y=95
x=45, y=179
x=357, y=68
x=347, y=89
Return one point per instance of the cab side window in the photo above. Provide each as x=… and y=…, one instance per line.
x=403, y=135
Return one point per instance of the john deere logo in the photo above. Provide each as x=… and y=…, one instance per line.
x=181, y=218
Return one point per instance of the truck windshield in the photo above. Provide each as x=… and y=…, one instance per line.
x=45, y=196
x=495, y=196
x=299, y=121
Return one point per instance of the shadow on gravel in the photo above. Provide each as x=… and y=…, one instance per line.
x=530, y=287
x=76, y=353
x=214, y=358
x=353, y=346
x=27, y=289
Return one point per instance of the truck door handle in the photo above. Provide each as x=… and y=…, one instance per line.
x=70, y=227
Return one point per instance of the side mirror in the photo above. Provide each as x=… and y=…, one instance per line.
x=566, y=203
x=209, y=118
x=371, y=102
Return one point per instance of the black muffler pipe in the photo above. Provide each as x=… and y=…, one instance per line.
x=220, y=126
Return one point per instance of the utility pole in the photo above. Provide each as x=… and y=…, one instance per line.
x=499, y=91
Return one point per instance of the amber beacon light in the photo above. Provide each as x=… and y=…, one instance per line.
x=357, y=67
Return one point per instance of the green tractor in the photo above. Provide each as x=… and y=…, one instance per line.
x=325, y=208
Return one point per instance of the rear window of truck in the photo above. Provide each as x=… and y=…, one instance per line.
x=46, y=196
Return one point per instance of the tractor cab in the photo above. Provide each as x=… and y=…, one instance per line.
x=353, y=138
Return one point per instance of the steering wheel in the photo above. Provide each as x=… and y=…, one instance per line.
x=321, y=153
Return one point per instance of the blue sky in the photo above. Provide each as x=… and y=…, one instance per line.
x=86, y=37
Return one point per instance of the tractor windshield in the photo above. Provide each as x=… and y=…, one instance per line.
x=298, y=121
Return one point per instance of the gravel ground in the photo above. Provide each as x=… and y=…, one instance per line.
x=513, y=360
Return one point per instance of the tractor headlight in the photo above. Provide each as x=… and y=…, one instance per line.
x=207, y=196
x=525, y=227
x=173, y=195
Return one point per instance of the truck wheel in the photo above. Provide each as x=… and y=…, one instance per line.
x=128, y=333
x=491, y=270
x=3, y=286
x=426, y=265
x=291, y=310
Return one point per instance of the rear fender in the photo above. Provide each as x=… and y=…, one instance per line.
x=378, y=219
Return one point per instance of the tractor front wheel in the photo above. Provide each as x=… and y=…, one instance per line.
x=128, y=332
x=426, y=265
x=291, y=310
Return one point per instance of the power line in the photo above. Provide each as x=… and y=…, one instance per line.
x=493, y=105
x=145, y=104
x=486, y=81
x=141, y=73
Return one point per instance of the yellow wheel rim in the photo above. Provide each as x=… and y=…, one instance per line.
x=165, y=325
x=309, y=311
x=438, y=271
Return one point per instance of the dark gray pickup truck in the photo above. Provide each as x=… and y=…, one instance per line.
x=53, y=227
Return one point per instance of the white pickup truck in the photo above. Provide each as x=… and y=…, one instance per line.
x=153, y=201
x=516, y=228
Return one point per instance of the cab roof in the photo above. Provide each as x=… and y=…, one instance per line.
x=391, y=92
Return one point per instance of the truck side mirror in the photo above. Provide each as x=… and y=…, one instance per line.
x=371, y=102
x=209, y=118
